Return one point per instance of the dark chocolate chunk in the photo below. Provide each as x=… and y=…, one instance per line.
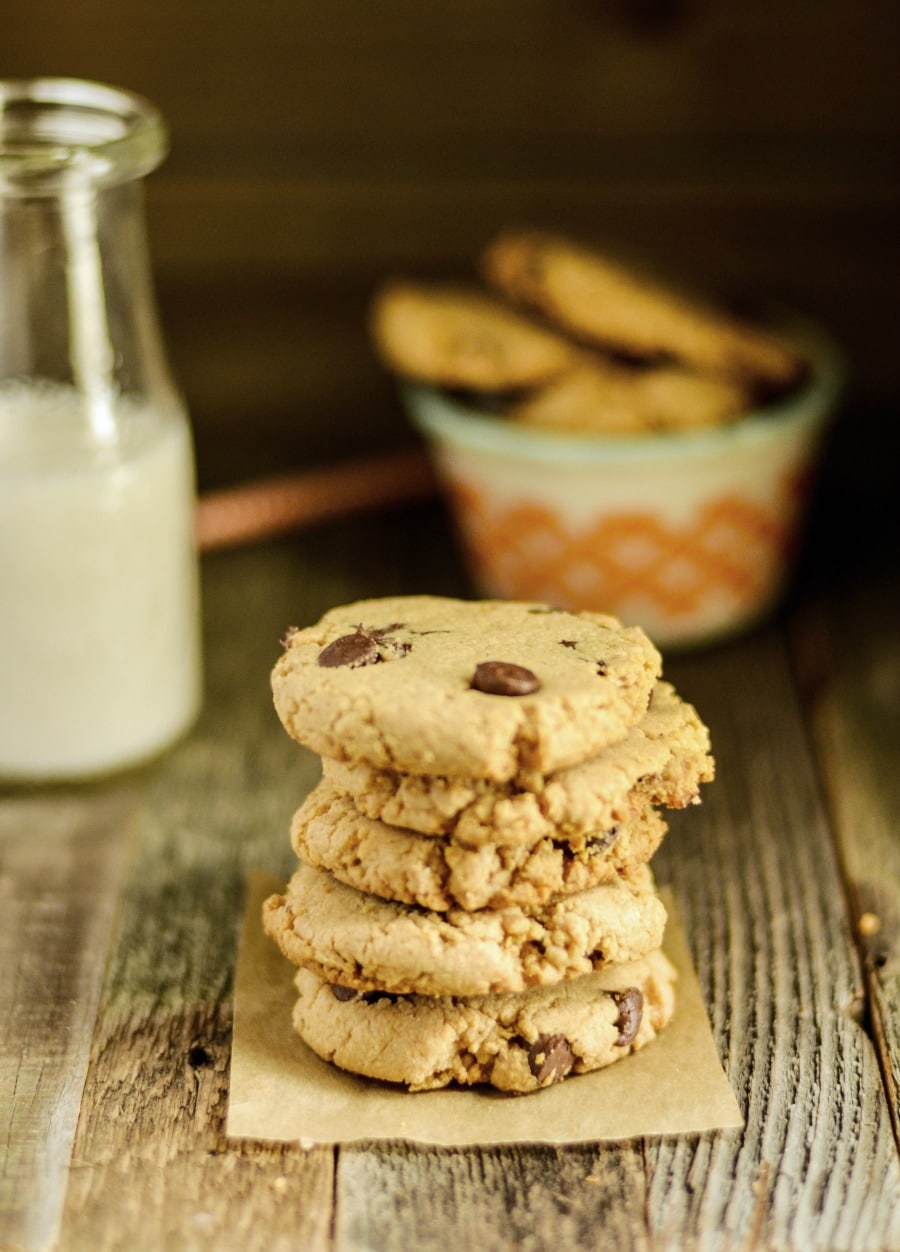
x=550, y=1056
x=372, y=997
x=631, y=1009
x=368, y=997
x=568, y=643
x=602, y=841
x=360, y=648
x=503, y=678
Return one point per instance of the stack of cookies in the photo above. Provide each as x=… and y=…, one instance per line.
x=474, y=902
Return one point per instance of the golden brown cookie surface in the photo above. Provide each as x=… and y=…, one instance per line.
x=604, y=303
x=440, y=873
x=607, y=398
x=517, y=1043
x=362, y=941
x=489, y=688
x=457, y=336
x=664, y=757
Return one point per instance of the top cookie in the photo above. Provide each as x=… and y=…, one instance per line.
x=491, y=689
x=605, y=304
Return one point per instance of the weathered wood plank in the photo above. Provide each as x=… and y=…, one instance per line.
x=499, y=1200
x=758, y=883
x=759, y=890
x=849, y=659
x=62, y=859
x=152, y=1168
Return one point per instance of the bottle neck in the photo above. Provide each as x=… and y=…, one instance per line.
x=77, y=303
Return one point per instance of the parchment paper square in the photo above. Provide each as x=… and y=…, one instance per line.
x=280, y=1090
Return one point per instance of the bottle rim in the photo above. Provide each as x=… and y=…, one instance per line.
x=58, y=133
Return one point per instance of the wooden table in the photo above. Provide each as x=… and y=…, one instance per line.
x=121, y=903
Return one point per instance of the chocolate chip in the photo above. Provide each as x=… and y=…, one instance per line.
x=550, y=1057
x=631, y=1009
x=602, y=669
x=602, y=841
x=360, y=648
x=372, y=997
x=568, y=643
x=364, y=647
x=343, y=993
x=503, y=678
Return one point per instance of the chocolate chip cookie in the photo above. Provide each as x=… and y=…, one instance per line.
x=514, y=1042
x=359, y=940
x=664, y=758
x=490, y=689
x=606, y=304
x=441, y=872
x=456, y=336
x=609, y=398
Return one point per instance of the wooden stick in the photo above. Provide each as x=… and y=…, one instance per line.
x=281, y=503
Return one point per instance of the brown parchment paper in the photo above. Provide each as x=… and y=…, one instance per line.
x=280, y=1090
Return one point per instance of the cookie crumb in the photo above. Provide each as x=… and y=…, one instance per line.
x=288, y=635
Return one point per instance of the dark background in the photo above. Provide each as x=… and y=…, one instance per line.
x=318, y=145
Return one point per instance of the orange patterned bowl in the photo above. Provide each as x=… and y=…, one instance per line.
x=690, y=535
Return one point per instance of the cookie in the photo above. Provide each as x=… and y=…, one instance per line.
x=441, y=873
x=604, y=303
x=515, y=1043
x=456, y=336
x=665, y=757
x=606, y=398
x=362, y=941
x=486, y=689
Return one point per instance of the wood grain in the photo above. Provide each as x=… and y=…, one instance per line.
x=848, y=652
x=759, y=889
x=761, y=883
x=62, y=859
x=151, y=1167
x=497, y=1199
x=758, y=879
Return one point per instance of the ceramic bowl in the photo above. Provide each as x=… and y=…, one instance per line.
x=690, y=535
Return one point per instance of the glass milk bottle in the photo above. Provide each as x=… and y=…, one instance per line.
x=99, y=613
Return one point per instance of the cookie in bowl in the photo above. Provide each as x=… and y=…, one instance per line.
x=662, y=475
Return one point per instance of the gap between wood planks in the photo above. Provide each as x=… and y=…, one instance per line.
x=831, y=704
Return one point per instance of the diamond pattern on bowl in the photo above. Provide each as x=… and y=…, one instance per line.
x=732, y=548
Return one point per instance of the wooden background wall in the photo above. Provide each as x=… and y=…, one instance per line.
x=320, y=144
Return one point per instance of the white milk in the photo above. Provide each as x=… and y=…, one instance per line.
x=99, y=614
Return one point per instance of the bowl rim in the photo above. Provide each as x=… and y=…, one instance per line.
x=443, y=419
